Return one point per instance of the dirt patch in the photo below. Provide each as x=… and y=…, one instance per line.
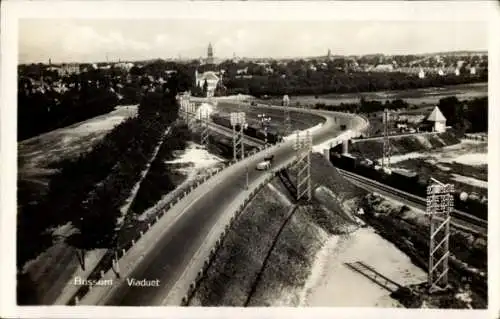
x=38, y=157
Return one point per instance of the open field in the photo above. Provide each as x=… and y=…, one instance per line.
x=38, y=155
x=413, y=97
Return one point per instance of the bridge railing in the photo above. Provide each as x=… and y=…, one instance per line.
x=109, y=269
x=104, y=269
x=187, y=290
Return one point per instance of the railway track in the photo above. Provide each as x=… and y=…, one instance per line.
x=459, y=219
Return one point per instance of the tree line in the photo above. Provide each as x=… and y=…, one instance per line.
x=40, y=112
x=364, y=106
x=465, y=115
x=316, y=83
x=89, y=191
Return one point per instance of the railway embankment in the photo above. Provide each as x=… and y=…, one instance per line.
x=372, y=149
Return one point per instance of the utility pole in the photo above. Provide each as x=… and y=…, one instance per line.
x=303, y=149
x=439, y=206
x=386, y=156
x=238, y=119
x=205, y=130
x=265, y=121
x=191, y=114
x=246, y=171
x=182, y=100
x=288, y=123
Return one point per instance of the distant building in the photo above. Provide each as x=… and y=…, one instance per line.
x=438, y=120
x=457, y=71
x=210, y=54
x=421, y=74
x=384, y=68
x=67, y=69
x=124, y=66
x=473, y=71
x=210, y=78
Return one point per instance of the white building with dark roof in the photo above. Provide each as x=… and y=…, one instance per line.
x=211, y=78
x=438, y=119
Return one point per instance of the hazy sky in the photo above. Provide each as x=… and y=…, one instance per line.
x=90, y=40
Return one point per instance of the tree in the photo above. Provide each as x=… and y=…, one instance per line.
x=453, y=111
x=205, y=88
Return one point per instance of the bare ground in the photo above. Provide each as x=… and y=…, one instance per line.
x=409, y=231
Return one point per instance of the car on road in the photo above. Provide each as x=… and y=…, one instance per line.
x=269, y=158
x=266, y=163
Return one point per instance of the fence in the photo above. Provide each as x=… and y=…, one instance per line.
x=476, y=137
x=113, y=265
x=213, y=251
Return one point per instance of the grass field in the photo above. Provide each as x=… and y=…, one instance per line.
x=414, y=97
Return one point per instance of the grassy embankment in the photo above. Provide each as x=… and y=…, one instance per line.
x=267, y=255
x=372, y=149
x=433, y=157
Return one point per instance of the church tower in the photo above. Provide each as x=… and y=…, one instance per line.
x=210, y=54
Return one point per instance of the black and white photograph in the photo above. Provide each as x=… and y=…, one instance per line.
x=237, y=161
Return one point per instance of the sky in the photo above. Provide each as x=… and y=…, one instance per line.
x=74, y=40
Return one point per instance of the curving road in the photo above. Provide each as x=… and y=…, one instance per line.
x=167, y=259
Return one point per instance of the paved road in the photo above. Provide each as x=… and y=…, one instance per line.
x=299, y=120
x=180, y=242
x=392, y=136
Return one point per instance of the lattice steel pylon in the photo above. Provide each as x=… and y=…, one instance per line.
x=303, y=149
x=205, y=129
x=238, y=119
x=439, y=207
x=183, y=101
x=287, y=125
x=386, y=153
x=190, y=114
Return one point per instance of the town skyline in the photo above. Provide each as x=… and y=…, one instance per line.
x=91, y=41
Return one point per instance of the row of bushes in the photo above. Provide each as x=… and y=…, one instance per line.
x=157, y=111
x=90, y=190
x=364, y=106
x=158, y=181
